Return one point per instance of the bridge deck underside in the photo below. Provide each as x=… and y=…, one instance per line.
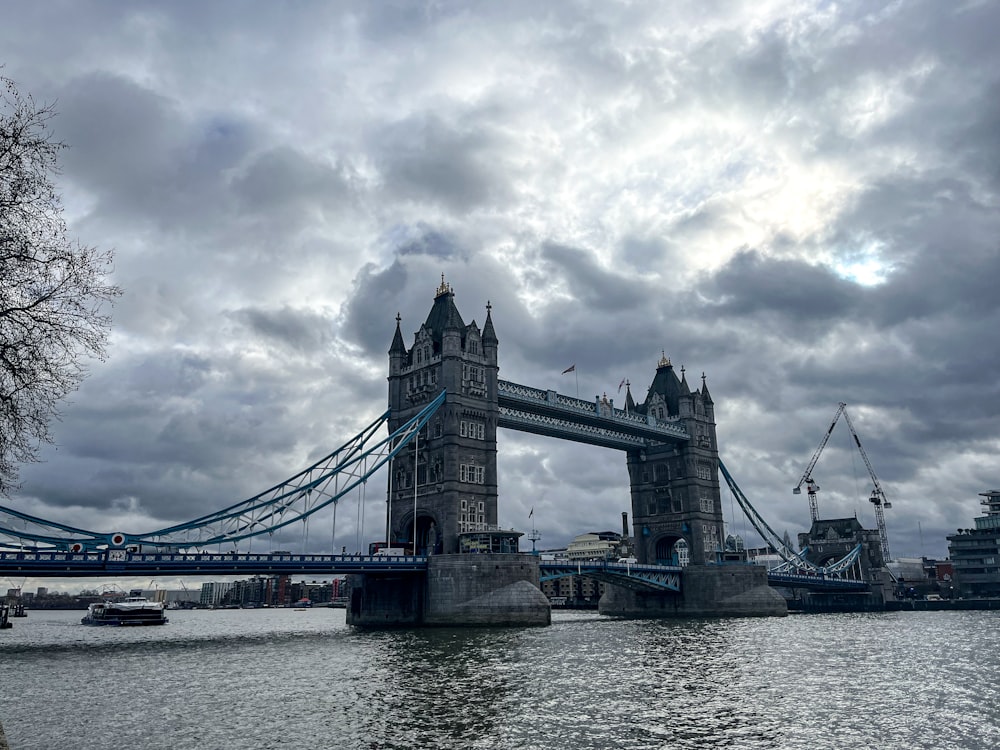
x=634, y=577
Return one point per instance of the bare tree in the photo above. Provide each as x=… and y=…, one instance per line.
x=53, y=290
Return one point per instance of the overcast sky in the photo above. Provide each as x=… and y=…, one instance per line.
x=799, y=199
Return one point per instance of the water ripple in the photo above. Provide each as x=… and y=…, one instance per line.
x=269, y=679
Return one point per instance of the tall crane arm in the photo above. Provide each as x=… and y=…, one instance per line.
x=878, y=498
x=807, y=474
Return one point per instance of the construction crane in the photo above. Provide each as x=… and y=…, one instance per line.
x=877, y=497
x=807, y=480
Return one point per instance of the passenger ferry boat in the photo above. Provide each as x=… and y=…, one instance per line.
x=132, y=610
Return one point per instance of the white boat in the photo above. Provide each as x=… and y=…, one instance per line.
x=132, y=610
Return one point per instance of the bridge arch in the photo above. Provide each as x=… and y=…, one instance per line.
x=672, y=549
x=428, y=541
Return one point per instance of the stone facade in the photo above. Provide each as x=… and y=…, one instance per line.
x=485, y=590
x=676, y=502
x=708, y=591
x=449, y=473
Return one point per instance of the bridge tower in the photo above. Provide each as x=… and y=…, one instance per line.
x=449, y=475
x=676, y=503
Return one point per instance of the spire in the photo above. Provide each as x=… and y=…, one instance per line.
x=397, y=347
x=629, y=401
x=706, y=396
x=444, y=288
x=685, y=389
x=489, y=335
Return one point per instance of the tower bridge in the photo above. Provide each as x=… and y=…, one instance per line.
x=445, y=405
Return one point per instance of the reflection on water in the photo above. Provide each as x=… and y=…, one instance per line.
x=290, y=679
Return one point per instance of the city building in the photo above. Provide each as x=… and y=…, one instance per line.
x=596, y=545
x=975, y=553
x=213, y=593
x=832, y=539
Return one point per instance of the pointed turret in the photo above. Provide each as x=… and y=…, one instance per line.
x=397, y=347
x=444, y=325
x=706, y=399
x=705, y=395
x=685, y=401
x=490, y=341
x=629, y=401
x=397, y=351
x=665, y=385
x=489, y=335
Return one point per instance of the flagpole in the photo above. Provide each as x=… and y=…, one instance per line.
x=576, y=375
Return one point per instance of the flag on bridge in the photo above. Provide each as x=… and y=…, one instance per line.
x=531, y=513
x=620, y=385
x=571, y=368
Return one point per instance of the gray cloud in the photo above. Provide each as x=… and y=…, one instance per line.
x=798, y=200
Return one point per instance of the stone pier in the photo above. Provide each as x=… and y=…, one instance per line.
x=708, y=591
x=489, y=589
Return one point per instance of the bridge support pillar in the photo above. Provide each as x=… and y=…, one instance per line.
x=708, y=591
x=485, y=589
x=380, y=600
x=459, y=590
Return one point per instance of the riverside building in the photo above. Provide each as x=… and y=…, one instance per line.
x=975, y=553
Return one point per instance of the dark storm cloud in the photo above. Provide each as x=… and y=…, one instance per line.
x=147, y=161
x=591, y=286
x=280, y=183
x=283, y=179
x=792, y=293
x=121, y=133
x=300, y=330
x=425, y=159
x=433, y=244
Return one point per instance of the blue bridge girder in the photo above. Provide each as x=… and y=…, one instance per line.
x=553, y=414
x=627, y=575
x=119, y=562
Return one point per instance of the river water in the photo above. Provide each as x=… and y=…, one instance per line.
x=282, y=678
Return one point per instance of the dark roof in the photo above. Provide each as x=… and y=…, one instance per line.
x=397, y=345
x=443, y=315
x=489, y=335
x=666, y=384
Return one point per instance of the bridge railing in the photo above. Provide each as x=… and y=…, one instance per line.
x=98, y=562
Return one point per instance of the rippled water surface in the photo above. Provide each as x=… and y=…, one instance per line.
x=303, y=679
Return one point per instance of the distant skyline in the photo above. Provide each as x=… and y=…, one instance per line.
x=798, y=199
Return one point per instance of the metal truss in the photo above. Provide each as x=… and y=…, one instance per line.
x=552, y=413
x=562, y=428
x=293, y=500
x=627, y=575
x=794, y=562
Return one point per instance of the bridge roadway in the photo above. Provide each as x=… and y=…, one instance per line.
x=121, y=562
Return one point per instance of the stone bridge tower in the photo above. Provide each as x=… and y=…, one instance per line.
x=676, y=503
x=449, y=474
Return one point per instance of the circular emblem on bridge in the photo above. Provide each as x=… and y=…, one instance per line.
x=76, y=547
x=118, y=539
